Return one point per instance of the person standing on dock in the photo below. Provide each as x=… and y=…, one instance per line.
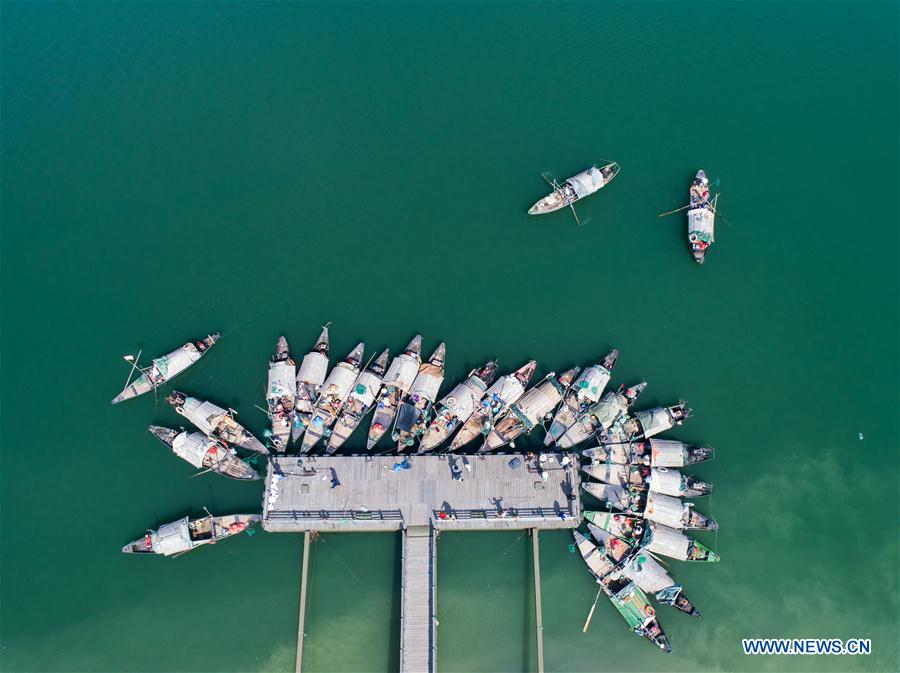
x=335, y=482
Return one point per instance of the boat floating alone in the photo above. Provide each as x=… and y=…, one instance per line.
x=178, y=537
x=701, y=217
x=165, y=368
x=574, y=189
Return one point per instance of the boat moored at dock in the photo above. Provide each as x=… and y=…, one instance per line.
x=650, y=422
x=601, y=415
x=634, y=606
x=586, y=390
x=412, y=416
x=178, y=537
x=644, y=570
x=395, y=386
x=651, y=452
x=496, y=402
x=358, y=403
x=205, y=453
x=530, y=410
x=215, y=422
x=663, y=480
x=165, y=368
x=334, y=391
x=655, y=537
x=280, y=392
x=665, y=509
x=310, y=377
x=458, y=406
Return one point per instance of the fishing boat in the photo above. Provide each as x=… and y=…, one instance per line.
x=181, y=536
x=358, y=403
x=655, y=537
x=530, y=410
x=634, y=606
x=394, y=389
x=205, y=453
x=651, y=452
x=215, y=422
x=597, y=562
x=586, y=390
x=334, y=391
x=165, y=368
x=412, y=416
x=644, y=570
x=600, y=416
x=648, y=423
x=280, y=392
x=310, y=377
x=496, y=402
x=574, y=189
x=657, y=507
x=458, y=406
x=658, y=479
x=701, y=217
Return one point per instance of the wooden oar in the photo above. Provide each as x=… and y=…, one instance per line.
x=669, y=212
x=590, y=616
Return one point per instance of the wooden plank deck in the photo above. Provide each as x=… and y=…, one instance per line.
x=418, y=640
x=364, y=493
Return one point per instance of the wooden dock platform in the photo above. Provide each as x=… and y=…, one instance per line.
x=375, y=493
x=421, y=496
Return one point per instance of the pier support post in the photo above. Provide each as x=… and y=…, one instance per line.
x=302, y=620
x=539, y=624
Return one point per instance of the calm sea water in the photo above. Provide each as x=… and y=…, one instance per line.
x=174, y=168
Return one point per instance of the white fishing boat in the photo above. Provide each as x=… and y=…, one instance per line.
x=586, y=390
x=701, y=217
x=334, y=391
x=205, y=453
x=647, y=423
x=165, y=368
x=600, y=416
x=656, y=537
x=663, y=480
x=496, y=402
x=280, y=392
x=214, y=421
x=457, y=406
x=358, y=403
x=574, y=189
x=665, y=509
x=413, y=414
x=395, y=387
x=182, y=536
x=530, y=410
x=651, y=452
x=310, y=377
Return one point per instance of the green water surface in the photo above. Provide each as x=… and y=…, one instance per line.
x=174, y=168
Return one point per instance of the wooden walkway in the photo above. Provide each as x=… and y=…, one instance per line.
x=417, y=601
x=365, y=493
